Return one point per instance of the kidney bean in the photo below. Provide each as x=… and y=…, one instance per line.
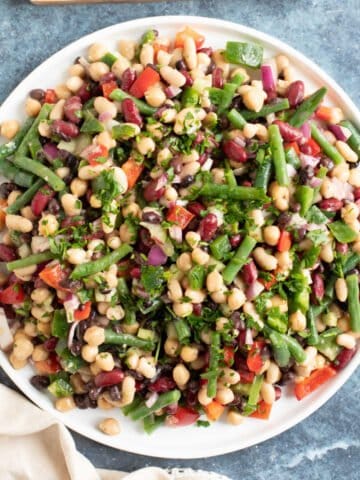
x=217, y=77
x=234, y=150
x=72, y=108
x=289, y=133
x=195, y=207
x=203, y=157
x=84, y=92
x=50, y=344
x=207, y=50
x=151, y=217
x=295, y=93
x=40, y=381
x=331, y=204
x=127, y=79
x=189, y=80
x=37, y=94
x=344, y=358
x=208, y=227
x=41, y=200
x=318, y=288
x=135, y=272
x=152, y=192
x=106, y=379
x=249, y=273
x=65, y=130
x=7, y=254
x=197, y=309
x=131, y=112
x=108, y=77
x=145, y=237
x=357, y=193
x=278, y=393
x=162, y=384
x=235, y=240
x=342, y=247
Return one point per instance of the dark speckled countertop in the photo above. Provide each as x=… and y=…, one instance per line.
x=326, y=446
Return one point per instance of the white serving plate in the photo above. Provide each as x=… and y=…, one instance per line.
x=186, y=442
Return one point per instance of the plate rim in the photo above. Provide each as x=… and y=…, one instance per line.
x=316, y=72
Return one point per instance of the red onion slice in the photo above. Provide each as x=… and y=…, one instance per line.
x=175, y=233
x=306, y=130
x=105, y=116
x=308, y=160
x=315, y=182
x=340, y=132
x=151, y=400
x=156, y=256
x=50, y=151
x=248, y=337
x=267, y=79
x=172, y=92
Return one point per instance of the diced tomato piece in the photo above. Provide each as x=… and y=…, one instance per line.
x=48, y=366
x=254, y=360
x=268, y=283
x=147, y=78
x=108, y=88
x=83, y=312
x=50, y=96
x=12, y=295
x=229, y=355
x=263, y=411
x=132, y=171
x=183, y=416
x=189, y=32
x=93, y=153
x=3, y=205
x=246, y=376
x=284, y=243
x=324, y=113
x=53, y=276
x=294, y=146
x=214, y=410
x=316, y=379
x=313, y=147
x=180, y=216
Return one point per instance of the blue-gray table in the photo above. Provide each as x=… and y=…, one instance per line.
x=326, y=445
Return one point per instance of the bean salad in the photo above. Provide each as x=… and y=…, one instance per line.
x=180, y=234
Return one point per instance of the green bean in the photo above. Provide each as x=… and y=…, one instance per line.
x=239, y=259
x=229, y=90
x=212, y=190
x=278, y=155
x=263, y=171
x=329, y=149
x=212, y=371
x=152, y=422
x=280, y=349
x=164, y=400
x=114, y=338
x=103, y=263
x=307, y=108
x=41, y=171
x=354, y=139
x=143, y=107
x=351, y=262
x=25, y=197
x=266, y=110
x=130, y=408
x=295, y=348
x=352, y=282
x=32, y=133
x=183, y=331
x=236, y=119
x=229, y=175
x=304, y=195
x=30, y=260
x=14, y=174
x=254, y=395
x=9, y=148
x=313, y=338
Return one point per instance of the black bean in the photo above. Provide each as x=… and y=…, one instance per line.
x=6, y=188
x=180, y=65
x=187, y=180
x=75, y=348
x=151, y=217
x=287, y=378
x=40, y=381
x=54, y=206
x=37, y=94
x=82, y=400
x=115, y=393
x=94, y=392
x=327, y=163
x=283, y=220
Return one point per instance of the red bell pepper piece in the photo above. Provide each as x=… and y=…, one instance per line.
x=229, y=355
x=132, y=171
x=184, y=416
x=180, y=216
x=83, y=312
x=214, y=410
x=147, y=78
x=48, y=366
x=316, y=379
x=314, y=147
x=12, y=295
x=53, y=276
x=324, y=113
x=294, y=146
x=284, y=243
x=268, y=283
x=189, y=32
x=109, y=87
x=263, y=411
x=254, y=360
x=50, y=96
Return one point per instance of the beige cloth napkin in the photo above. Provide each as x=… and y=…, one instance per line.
x=35, y=446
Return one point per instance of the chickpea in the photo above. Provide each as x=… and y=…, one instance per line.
x=120, y=65
x=168, y=115
x=354, y=177
x=74, y=83
x=76, y=70
x=171, y=347
x=188, y=120
x=219, y=60
x=184, y=262
x=32, y=107
x=214, y=281
x=62, y=92
x=9, y=129
x=65, y=404
x=94, y=336
x=71, y=204
x=155, y=96
x=254, y=98
x=43, y=313
x=132, y=359
x=16, y=362
x=127, y=48
x=126, y=235
x=350, y=213
x=341, y=289
x=18, y=223
x=103, y=105
x=39, y=353
x=193, y=239
x=224, y=395
x=40, y=295
x=298, y=321
x=280, y=195
x=196, y=296
x=172, y=76
x=182, y=309
x=273, y=373
x=145, y=145
x=96, y=51
x=203, y=397
x=346, y=340
x=264, y=259
x=181, y=375
x=228, y=376
x=89, y=352
x=268, y=393
x=105, y=361
x=110, y=426
x=236, y=299
x=23, y=348
x=147, y=367
x=341, y=171
x=30, y=329
x=57, y=112
x=199, y=256
x=271, y=235
x=78, y=187
x=234, y=418
x=219, y=296
x=115, y=313
x=48, y=225
x=76, y=256
x=278, y=301
x=97, y=70
x=189, y=353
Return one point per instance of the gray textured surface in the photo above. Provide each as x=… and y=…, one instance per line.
x=326, y=445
